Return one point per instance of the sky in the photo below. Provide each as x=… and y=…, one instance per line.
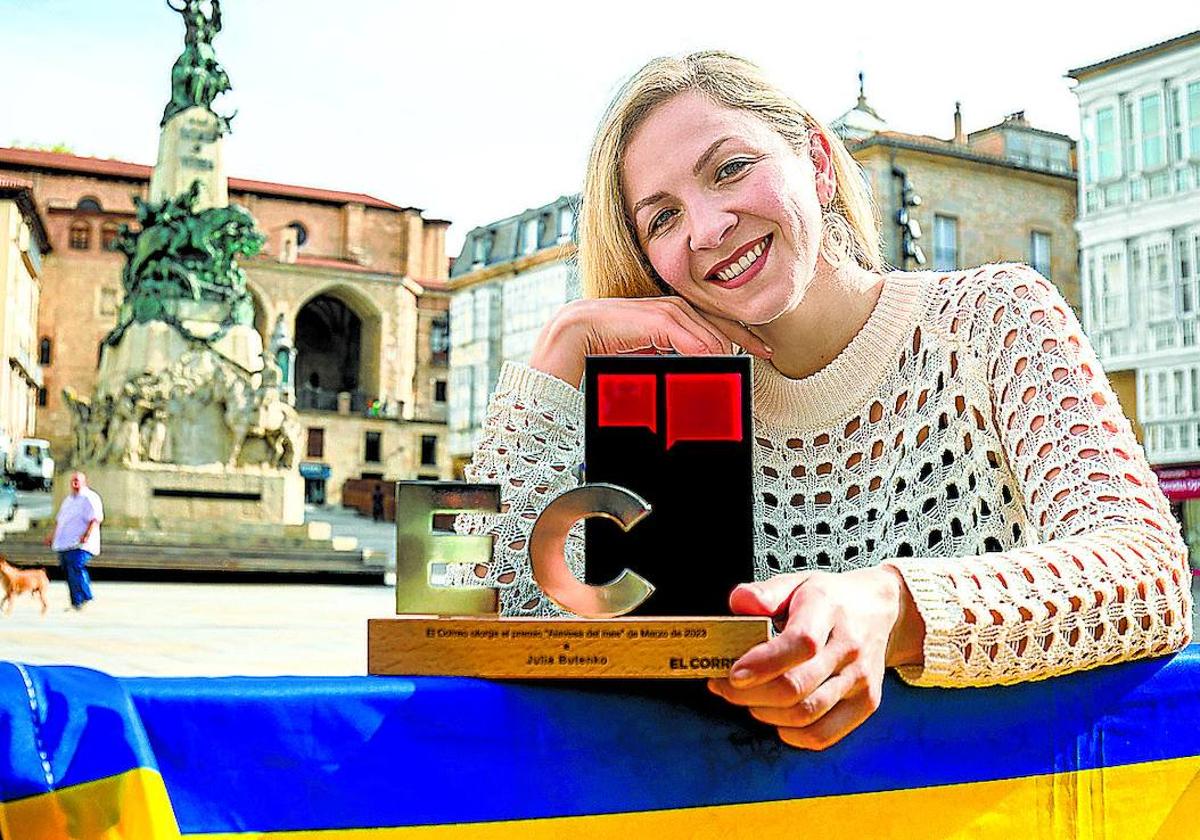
x=477, y=111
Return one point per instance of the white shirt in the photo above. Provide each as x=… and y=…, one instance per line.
x=76, y=511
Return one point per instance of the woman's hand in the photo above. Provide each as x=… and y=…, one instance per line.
x=822, y=675
x=634, y=325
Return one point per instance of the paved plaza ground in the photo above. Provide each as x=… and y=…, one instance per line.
x=216, y=629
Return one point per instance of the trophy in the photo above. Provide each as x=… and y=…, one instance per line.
x=667, y=506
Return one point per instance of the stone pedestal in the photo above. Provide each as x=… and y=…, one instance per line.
x=189, y=149
x=210, y=499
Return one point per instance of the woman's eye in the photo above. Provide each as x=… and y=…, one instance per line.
x=732, y=167
x=659, y=220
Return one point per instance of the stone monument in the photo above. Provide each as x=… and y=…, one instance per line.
x=191, y=421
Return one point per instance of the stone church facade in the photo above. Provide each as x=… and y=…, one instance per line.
x=355, y=283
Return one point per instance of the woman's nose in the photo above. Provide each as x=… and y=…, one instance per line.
x=709, y=227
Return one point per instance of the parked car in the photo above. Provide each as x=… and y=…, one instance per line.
x=8, y=500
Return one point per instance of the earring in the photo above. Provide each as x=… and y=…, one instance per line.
x=837, y=240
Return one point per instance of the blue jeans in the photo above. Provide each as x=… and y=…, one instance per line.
x=74, y=563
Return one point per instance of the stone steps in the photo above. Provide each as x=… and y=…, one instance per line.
x=226, y=556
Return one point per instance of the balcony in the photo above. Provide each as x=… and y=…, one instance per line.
x=1172, y=441
x=357, y=403
x=1131, y=345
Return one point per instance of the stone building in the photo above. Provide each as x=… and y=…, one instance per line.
x=353, y=282
x=1139, y=241
x=23, y=247
x=1003, y=193
x=510, y=277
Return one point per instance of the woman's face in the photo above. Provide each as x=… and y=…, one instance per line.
x=727, y=213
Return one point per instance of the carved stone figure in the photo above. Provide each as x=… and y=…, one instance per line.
x=261, y=413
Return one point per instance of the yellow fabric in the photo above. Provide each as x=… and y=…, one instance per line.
x=128, y=806
x=1159, y=800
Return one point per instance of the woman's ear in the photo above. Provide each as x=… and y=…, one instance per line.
x=822, y=159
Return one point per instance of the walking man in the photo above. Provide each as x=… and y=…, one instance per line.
x=76, y=537
x=377, y=503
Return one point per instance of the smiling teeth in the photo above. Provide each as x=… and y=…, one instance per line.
x=741, y=265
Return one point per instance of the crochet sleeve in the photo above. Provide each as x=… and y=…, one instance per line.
x=1104, y=577
x=532, y=446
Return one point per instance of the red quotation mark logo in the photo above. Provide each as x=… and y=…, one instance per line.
x=627, y=399
x=703, y=406
x=700, y=406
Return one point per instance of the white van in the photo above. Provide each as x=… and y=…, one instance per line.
x=31, y=465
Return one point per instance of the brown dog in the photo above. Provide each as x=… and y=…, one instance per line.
x=18, y=582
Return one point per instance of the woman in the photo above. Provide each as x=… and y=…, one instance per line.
x=945, y=483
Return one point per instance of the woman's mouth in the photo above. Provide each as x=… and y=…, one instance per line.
x=744, y=269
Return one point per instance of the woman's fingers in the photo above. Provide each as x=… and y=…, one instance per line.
x=833, y=726
x=741, y=336
x=715, y=339
x=806, y=635
x=810, y=709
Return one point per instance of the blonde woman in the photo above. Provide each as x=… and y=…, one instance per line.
x=944, y=481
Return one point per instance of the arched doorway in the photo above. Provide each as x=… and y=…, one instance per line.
x=328, y=353
x=260, y=318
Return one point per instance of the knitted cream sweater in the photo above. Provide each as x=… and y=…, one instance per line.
x=966, y=435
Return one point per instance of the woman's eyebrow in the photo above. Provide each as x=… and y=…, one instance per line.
x=703, y=160
x=647, y=201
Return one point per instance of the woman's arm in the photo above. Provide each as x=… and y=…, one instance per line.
x=532, y=442
x=532, y=446
x=1107, y=577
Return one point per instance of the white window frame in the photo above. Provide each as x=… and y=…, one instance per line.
x=1042, y=266
x=1160, y=288
x=1153, y=136
x=1192, y=90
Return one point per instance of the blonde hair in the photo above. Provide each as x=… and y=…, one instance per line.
x=611, y=263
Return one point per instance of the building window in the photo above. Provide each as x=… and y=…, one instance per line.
x=1193, y=98
x=566, y=224
x=44, y=351
x=42, y=397
x=945, y=243
x=373, y=446
x=301, y=233
x=87, y=204
x=439, y=340
x=1187, y=292
x=529, y=236
x=1153, y=142
x=81, y=236
x=439, y=391
x=108, y=301
x=1114, y=300
x=1175, y=120
x=1106, y=144
x=1039, y=252
x=316, y=443
x=1158, y=281
x=108, y=236
x=481, y=248
x=1128, y=144
x=428, y=450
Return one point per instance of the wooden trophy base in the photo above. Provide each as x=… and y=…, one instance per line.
x=561, y=648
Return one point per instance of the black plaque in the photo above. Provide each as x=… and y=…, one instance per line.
x=676, y=430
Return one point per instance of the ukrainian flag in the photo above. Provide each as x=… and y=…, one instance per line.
x=1112, y=753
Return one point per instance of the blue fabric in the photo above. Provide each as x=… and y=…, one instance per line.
x=64, y=726
x=257, y=754
x=79, y=582
x=403, y=751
